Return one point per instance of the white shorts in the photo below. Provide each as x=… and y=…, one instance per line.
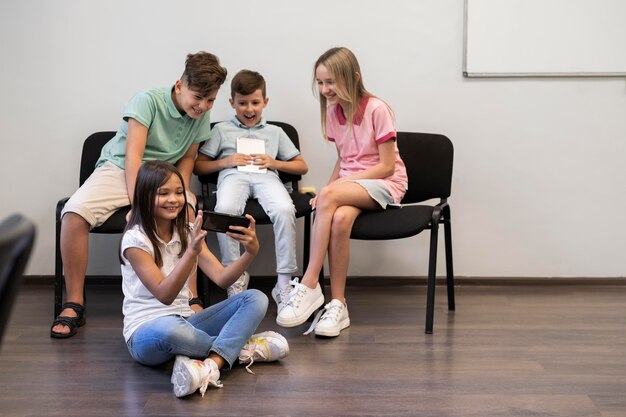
x=377, y=190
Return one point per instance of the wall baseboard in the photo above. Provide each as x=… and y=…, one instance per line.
x=383, y=281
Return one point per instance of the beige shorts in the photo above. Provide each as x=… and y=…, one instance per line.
x=100, y=196
x=103, y=194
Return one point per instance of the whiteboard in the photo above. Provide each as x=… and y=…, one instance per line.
x=551, y=38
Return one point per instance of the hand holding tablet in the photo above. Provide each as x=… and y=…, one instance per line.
x=221, y=222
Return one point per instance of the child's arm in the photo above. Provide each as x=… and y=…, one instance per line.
x=383, y=169
x=335, y=174
x=225, y=276
x=136, y=139
x=166, y=288
x=186, y=164
x=207, y=165
x=295, y=165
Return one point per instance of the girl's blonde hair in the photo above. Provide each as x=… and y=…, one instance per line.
x=346, y=72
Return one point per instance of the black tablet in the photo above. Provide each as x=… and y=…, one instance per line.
x=220, y=222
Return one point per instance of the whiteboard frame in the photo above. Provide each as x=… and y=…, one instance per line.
x=468, y=74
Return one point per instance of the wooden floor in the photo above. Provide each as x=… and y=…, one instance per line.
x=536, y=350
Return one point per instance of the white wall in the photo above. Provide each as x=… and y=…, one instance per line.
x=538, y=179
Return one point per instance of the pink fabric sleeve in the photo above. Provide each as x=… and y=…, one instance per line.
x=382, y=120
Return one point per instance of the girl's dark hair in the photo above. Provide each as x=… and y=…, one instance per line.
x=151, y=176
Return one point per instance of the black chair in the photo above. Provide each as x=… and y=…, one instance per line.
x=300, y=200
x=114, y=224
x=17, y=236
x=428, y=159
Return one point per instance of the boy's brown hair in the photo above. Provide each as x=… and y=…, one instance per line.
x=247, y=82
x=203, y=72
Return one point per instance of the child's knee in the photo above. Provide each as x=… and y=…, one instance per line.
x=285, y=210
x=342, y=223
x=326, y=197
x=229, y=207
x=258, y=299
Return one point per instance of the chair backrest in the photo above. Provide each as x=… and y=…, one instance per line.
x=293, y=135
x=91, y=153
x=284, y=177
x=428, y=158
x=17, y=236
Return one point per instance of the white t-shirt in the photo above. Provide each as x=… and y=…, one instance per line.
x=140, y=305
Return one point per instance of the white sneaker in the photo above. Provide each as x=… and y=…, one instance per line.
x=190, y=375
x=281, y=295
x=302, y=302
x=239, y=286
x=264, y=347
x=333, y=321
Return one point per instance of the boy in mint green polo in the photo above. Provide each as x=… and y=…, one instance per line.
x=158, y=124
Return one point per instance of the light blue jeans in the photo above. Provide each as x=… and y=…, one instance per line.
x=233, y=191
x=223, y=328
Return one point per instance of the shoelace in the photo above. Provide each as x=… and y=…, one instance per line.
x=296, y=294
x=283, y=294
x=248, y=353
x=330, y=312
x=207, y=381
x=237, y=286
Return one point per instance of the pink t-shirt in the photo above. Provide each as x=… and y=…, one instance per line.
x=358, y=147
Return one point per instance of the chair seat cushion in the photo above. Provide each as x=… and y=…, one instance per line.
x=393, y=223
x=302, y=203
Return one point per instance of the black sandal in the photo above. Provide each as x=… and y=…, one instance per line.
x=72, y=322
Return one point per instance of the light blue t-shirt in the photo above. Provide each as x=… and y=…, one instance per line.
x=223, y=142
x=170, y=134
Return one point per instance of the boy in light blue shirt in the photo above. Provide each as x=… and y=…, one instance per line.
x=245, y=174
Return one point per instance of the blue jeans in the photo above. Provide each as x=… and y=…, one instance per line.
x=233, y=191
x=223, y=328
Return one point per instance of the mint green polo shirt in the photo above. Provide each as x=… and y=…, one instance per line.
x=170, y=134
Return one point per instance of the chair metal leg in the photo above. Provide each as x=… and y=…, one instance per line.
x=447, y=229
x=59, y=280
x=432, y=278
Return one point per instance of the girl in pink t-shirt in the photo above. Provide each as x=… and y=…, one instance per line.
x=368, y=175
